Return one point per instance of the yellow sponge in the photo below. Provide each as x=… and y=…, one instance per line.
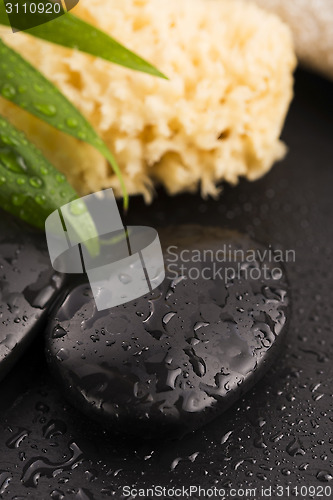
x=218, y=117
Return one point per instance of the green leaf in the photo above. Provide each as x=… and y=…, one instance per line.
x=31, y=188
x=26, y=87
x=70, y=31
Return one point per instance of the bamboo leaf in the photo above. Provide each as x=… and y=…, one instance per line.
x=26, y=87
x=70, y=31
x=31, y=188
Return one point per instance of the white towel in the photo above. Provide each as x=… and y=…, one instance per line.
x=311, y=22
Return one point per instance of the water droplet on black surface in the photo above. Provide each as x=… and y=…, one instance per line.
x=84, y=494
x=42, y=407
x=324, y=476
x=5, y=478
x=226, y=437
x=57, y=495
x=295, y=447
x=41, y=466
x=16, y=440
x=54, y=427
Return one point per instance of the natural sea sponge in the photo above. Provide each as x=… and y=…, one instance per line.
x=218, y=116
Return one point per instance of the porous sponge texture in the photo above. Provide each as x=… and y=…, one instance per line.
x=218, y=116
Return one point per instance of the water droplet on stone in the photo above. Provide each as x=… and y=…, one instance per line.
x=124, y=278
x=167, y=317
x=58, y=332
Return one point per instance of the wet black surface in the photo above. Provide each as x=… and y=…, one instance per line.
x=28, y=285
x=171, y=361
x=280, y=433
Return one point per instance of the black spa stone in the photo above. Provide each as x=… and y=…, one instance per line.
x=28, y=286
x=171, y=361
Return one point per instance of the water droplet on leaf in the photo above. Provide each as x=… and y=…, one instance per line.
x=72, y=122
x=40, y=199
x=46, y=109
x=8, y=91
x=35, y=182
x=18, y=199
x=60, y=178
x=44, y=170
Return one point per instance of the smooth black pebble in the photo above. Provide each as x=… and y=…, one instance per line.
x=173, y=360
x=28, y=286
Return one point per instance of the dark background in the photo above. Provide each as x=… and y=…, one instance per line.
x=280, y=433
